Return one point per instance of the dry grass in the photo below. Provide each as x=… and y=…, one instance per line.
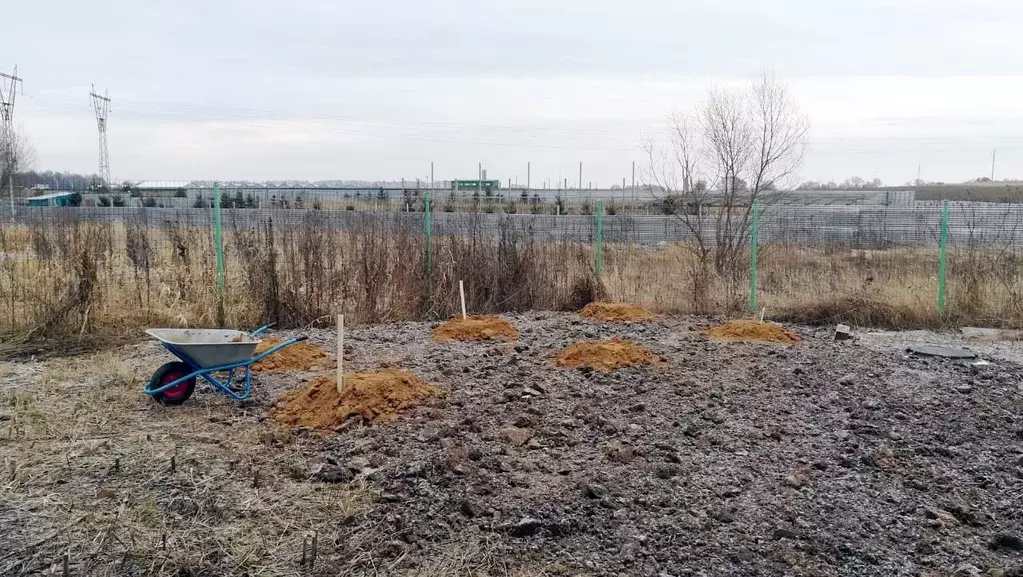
x=894, y=288
x=66, y=278
x=94, y=469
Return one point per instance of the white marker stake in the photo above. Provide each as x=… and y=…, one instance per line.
x=340, y=352
x=762, y=314
x=461, y=293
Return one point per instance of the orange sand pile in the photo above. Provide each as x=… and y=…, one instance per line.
x=616, y=312
x=378, y=397
x=301, y=356
x=475, y=328
x=605, y=355
x=752, y=330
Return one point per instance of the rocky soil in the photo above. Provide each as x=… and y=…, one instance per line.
x=825, y=458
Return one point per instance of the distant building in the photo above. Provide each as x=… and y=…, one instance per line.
x=52, y=199
x=161, y=189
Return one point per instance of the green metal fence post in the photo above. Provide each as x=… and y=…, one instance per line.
x=600, y=237
x=218, y=245
x=942, y=247
x=427, y=225
x=754, y=241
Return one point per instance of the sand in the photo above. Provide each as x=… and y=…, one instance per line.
x=605, y=355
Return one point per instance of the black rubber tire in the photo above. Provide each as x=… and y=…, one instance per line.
x=168, y=373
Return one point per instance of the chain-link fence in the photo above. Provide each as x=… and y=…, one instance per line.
x=105, y=266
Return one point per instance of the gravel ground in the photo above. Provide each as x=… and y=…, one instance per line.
x=828, y=458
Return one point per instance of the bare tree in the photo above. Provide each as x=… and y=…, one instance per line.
x=16, y=156
x=748, y=144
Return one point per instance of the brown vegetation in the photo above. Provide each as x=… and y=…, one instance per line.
x=62, y=277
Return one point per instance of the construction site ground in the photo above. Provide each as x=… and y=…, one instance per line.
x=721, y=459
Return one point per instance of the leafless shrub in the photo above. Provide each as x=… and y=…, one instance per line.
x=140, y=252
x=737, y=149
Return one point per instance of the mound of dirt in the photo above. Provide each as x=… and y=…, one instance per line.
x=605, y=355
x=378, y=397
x=475, y=328
x=301, y=356
x=616, y=312
x=752, y=330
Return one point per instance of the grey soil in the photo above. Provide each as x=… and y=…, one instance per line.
x=828, y=458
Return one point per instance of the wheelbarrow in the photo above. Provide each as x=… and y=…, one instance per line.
x=202, y=353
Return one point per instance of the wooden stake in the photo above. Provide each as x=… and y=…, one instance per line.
x=461, y=293
x=340, y=353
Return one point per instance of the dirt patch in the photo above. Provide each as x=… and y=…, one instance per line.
x=301, y=356
x=374, y=397
x=616, y=312
x=752, y=330
x=475, y=328
x=605, y=355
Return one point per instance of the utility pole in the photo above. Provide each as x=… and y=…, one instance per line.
x=634, y=181
x=528, y=167
x=580, y=175
x=993, y=152
x=101, y=104
x=8, y=90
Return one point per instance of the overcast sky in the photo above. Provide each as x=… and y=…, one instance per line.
x=311, y=90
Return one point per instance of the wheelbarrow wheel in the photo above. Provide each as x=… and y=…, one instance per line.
x=168, y=374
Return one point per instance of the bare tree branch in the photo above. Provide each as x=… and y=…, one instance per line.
x=748, y=143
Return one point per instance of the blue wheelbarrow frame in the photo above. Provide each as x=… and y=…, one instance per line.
x=206, y=372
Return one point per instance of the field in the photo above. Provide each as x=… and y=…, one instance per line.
x=720, y=458
x=64, y=278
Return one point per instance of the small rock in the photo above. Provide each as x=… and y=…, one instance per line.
x=524, y=421
x=797, y=480
x=469, y=508
x=940, y=518
x=594, y=491
x=619, y=453
x=666, y=470
x=524, y=527
x=847, y=379
x=633, y=429
x=531, y=391
x=843, y=333
x=964, y=389
x=725, y=515
x=1005, y=540
x=967, y=570
x=516, y=436
x=783, y=533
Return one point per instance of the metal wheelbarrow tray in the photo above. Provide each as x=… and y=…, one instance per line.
x=202, y=353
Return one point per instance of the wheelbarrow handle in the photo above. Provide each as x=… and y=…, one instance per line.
x=274, y=349
x=261, y=330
